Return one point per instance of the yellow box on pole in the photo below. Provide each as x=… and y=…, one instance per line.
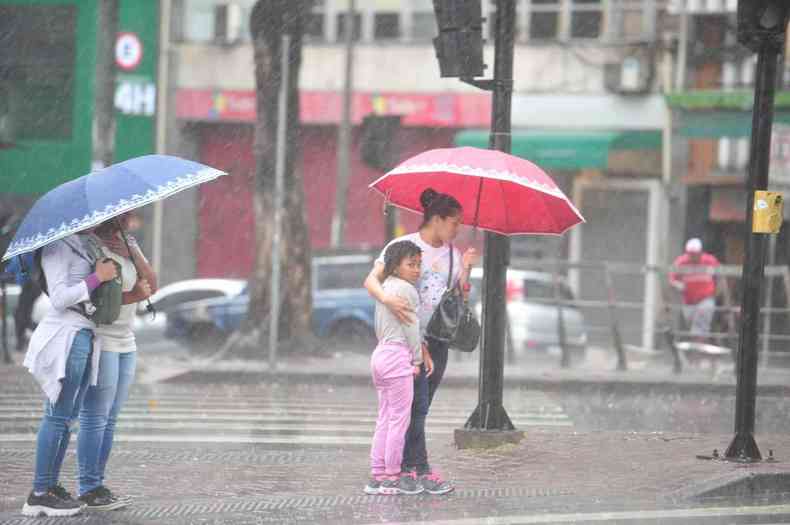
x=768, y=212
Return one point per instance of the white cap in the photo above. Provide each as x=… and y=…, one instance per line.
x=694, y=245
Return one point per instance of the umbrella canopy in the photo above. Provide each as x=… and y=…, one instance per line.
x=498, y=192
x=90, y=200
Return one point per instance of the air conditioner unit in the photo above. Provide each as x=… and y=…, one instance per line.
x=227, y=24
x=632, y=76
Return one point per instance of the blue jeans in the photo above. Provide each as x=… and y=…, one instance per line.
x=415, y=452
x=54, y=433
x=99, y=414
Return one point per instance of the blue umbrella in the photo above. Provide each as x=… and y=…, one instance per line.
x=90, y=200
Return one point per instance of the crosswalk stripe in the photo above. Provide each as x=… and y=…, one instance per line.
x=307, y=424
x=228, y=418
x=203, y=438
x=366, y=430
x=158, y=409
x=177, y=416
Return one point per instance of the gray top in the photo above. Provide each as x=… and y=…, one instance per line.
x=389, y=329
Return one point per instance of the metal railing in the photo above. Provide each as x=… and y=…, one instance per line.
x=668, y=321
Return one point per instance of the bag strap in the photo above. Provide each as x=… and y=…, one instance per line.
x=450, y=275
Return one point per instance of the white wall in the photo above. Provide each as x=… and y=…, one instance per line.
x=398, y=68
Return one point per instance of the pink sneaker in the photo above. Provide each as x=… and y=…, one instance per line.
x=434, y=484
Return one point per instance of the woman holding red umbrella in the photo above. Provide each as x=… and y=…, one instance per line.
x=442, y=215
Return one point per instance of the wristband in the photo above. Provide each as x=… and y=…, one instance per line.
x=92, y=281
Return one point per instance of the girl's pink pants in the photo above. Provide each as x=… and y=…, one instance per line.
x=394, y=381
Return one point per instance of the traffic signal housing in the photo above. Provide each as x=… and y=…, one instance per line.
x=459, y=45
x=762, y=23
x=378, y=141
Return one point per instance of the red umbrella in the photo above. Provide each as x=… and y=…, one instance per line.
x=498, y=192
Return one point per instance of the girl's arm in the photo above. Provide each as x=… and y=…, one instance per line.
x=412, y=330
x=399, y=306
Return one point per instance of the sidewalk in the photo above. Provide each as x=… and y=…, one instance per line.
x=552, y=471
x=549, y=472
x=598, y=370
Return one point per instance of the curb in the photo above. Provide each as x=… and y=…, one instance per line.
x=563, y=384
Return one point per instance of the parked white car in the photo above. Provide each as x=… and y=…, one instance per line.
x=532, y=313
x=179, y=294
x=12, y=292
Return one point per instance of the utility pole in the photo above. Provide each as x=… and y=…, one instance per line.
x=490, y=414
x=761, y=27
x=279, y=190
x=104, y=75
x=344, y=135
x=162, y=94
x=459, y=48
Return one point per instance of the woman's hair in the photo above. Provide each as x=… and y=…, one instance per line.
x=396, y=252
x=438, y=204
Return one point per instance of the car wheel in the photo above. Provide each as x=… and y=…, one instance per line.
x=205, y=339
x=353, y=334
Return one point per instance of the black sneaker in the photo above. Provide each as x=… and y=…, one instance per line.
x=101, y=499
x=49, y=504
x=62, y=493
x=107, y=492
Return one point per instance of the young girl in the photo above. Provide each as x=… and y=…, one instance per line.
x=441, y=222
x=394, y=364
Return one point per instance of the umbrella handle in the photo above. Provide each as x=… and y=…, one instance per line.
x=148, y=307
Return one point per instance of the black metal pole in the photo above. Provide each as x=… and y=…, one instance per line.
x=743, y=445
x=490, y=414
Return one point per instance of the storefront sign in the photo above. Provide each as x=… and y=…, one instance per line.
x=317, y=107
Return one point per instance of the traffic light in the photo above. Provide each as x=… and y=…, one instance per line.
x=762, y=23
x=459, y=46
x=378, y=141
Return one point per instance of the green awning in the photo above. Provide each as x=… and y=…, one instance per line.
x=711, y=114
x=712, y=124
x=567, y=150
x=701, y=99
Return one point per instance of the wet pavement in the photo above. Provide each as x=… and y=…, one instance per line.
x=289, y=450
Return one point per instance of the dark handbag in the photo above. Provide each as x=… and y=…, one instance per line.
x=453, y=322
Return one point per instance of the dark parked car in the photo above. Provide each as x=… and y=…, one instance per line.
x=342, y=308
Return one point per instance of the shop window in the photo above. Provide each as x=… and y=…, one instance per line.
x=423, y=25
x=341, y=27
x=198, y=20
x=37, y=60
x=586, y=19
x=544, y=19
x=628, y=21
x=315, y=25
x=386, y=26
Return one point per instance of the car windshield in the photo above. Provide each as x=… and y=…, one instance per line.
x=341, y=275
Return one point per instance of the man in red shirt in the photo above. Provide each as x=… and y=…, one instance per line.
x=698, y=287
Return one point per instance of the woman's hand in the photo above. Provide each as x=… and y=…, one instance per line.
x=400, y=308
x=470, y=257
x=142, y=289
x=427, y=360
x=106, y=270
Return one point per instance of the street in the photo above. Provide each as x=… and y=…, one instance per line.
x=295, y=451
